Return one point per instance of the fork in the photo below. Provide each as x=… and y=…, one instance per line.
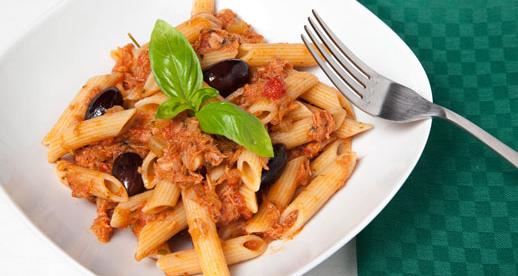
x=380, y=96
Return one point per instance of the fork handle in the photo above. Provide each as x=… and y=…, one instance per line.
x=486, y=138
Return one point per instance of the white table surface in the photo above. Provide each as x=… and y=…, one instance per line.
x=25, y=252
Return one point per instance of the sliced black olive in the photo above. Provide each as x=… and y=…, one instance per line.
x=276, y=166
x=108, y=98
x=227, y=75
x=125, y=169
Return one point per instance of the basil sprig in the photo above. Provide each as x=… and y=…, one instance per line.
x=177, y=71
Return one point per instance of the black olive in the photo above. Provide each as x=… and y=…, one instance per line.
x=275, y=166
x=125, y=169
x=108, y=98
x=227, y=76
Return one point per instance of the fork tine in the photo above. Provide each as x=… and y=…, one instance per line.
x=344, y=75
x=346, y=51
x=351, y=69
x=349, y=78
x=344, y=89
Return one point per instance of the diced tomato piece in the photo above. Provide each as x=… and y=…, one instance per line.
x=274, y=88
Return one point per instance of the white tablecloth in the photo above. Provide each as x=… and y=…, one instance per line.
x=25, y=252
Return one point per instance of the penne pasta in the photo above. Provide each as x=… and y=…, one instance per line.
x=249, y=198
x=76, y=110
x=301, y=112
x=317, y=193
x=204, y=236
x=297, y=135
x=282, y=191
x=86, y=182
x=216, y=56
x=155, y=99
x=160, y=251
x=191, y=28
x=323, y=96
x=299, y=82
x=148, y=170
x=346, y=105
x=150, y=86
x=260, y=54
x=157, y=232
x=250, y=167
x=278, y=197
x=264, y=110
x=121, y=213
x=165, y=195
x=264, y=219
x=88, y=132
x=235, y=250
x=351, y=127
x=339, y=115
x=202, y=6
x=328, y=156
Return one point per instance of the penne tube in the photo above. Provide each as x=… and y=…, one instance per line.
x=317, y=193
x=86, y=182
x=323, y=96
x=191, y=28
x=301, y=112
x=165, y=195
x=264, y=110
x=282, y=191
x=148, y=170
x=260, y=54
x=328, y=156
x=346, y=105
x=235, y=250
x=159, y=231
x=351, y=127
x=231, y=230
x=216, y=172
x=76, y=110
x=202, y=6
x=249, y=198
x=297, y=135
x=216, y=56
x=121, y=213
x=88, y=132
x=264, y=219
x=339, y=115
x=297, y=83
x=204, y=235
x=250, y=167
x=155, y=99
x=150, y=86
x=279, y=196
x=160, y=251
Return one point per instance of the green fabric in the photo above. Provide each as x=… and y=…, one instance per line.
x=457, y=214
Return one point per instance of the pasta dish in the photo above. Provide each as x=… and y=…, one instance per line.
x=209, y=129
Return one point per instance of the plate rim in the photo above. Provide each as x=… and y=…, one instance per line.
x=59, y=5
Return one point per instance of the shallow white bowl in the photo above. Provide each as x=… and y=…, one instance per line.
x=40, y=74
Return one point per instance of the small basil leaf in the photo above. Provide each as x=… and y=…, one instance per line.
x=170, y=108
x=201, y=95
x=229, y=120
x=174, y=63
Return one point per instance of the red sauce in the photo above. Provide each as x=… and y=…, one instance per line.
x=274, y=88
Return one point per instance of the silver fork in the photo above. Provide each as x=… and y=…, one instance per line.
x=379, y=96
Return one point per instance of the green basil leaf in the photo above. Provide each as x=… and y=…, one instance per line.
x=174, y=63
x=170, y=108
x=229, y=120
x=201, y=95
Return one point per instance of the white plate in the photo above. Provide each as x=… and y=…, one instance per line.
x=41, y=72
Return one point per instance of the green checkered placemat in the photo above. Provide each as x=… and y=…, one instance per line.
x=457, y=214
